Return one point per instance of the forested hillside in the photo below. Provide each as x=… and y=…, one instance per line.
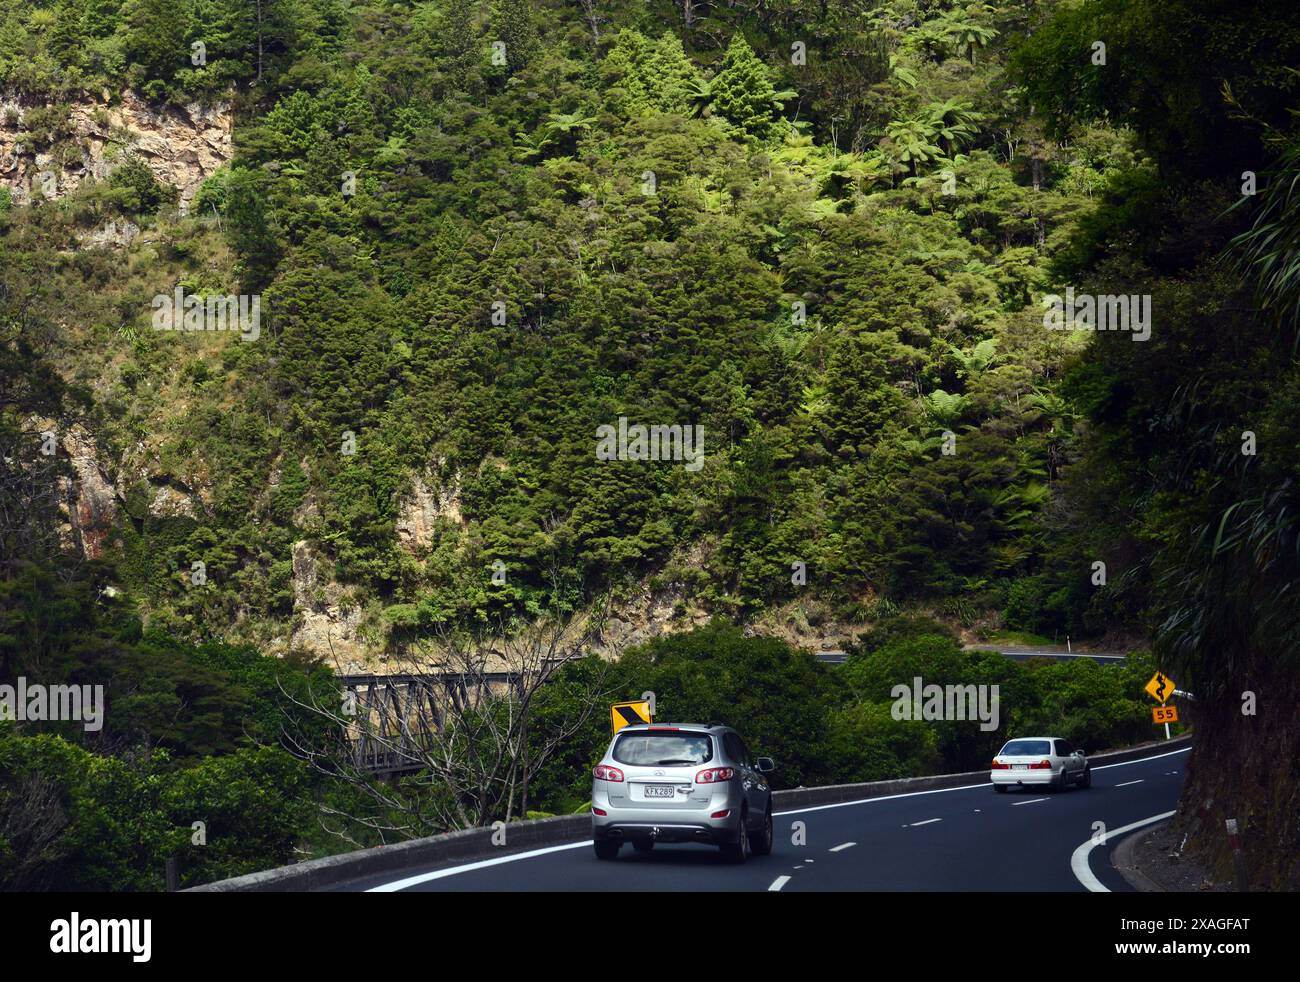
x=819, y=235
x=816, y=231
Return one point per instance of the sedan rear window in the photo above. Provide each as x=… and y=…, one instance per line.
x=1026, y=748
x=663, y=749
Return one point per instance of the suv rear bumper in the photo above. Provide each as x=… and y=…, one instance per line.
x=666, y=832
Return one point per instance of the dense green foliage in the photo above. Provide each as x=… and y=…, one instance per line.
x=826, y=262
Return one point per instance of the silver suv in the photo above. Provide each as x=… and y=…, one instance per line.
x=681, y=782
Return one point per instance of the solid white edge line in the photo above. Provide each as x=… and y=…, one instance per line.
x=778, y=883
x=887, y=797
x=416, y=880
x=438, y=874
x=1079, y=859
x=1125, y=763
x=842, y=846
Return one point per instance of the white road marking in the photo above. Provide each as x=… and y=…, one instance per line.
x=411, y=881
x=1079, y=860
x=1127, y=783
x=1141, y=760
x=842, y=846
x=928, y=821
x=778, y=883
x=1029, y=802
x=438, y=874
x=888, y=797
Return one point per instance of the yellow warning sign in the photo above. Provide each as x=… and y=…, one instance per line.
x=623, y=714
x=1164, y=714
x=1161, y=687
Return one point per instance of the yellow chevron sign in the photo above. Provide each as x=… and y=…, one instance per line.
x=623, y=714
x=1161, y=687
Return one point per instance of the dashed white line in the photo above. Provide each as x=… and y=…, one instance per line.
x=1127, y=783
x=778, y=883
x=842, y=846
x=1079, y=860
x=928, y=821
x=1029, y=802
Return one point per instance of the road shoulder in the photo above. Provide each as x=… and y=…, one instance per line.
x=1151, y=860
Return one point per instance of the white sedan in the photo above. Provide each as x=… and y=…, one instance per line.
x=1040, y=761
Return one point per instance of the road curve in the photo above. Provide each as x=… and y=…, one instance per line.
x=966, y=838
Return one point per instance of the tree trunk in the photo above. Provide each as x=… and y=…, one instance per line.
x=1247, y=768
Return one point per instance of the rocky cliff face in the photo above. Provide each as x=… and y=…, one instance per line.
x=90, y=500
x=426, y=504
x=182, y=146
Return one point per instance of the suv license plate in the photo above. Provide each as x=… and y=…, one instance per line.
x=660, y=791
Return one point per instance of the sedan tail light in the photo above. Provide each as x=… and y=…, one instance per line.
x=1042, y=765
x=604, y=772
x=712, y=775
x=1001, y=767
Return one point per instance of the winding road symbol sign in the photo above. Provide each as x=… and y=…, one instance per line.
x=1161, y=687
x=623, y=714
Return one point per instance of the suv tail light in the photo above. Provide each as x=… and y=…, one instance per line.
x=604, y=772
x=1042, y=765
x=712, y=775
x=1001, y=767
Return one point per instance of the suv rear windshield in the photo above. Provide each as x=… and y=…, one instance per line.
x=648, y=748
x=1026, y=748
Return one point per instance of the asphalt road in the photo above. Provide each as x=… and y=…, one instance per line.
x=965, y=838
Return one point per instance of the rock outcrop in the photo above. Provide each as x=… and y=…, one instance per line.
x=90, y=499
x=181, y=145
x=326, y=621
x=426, y=505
